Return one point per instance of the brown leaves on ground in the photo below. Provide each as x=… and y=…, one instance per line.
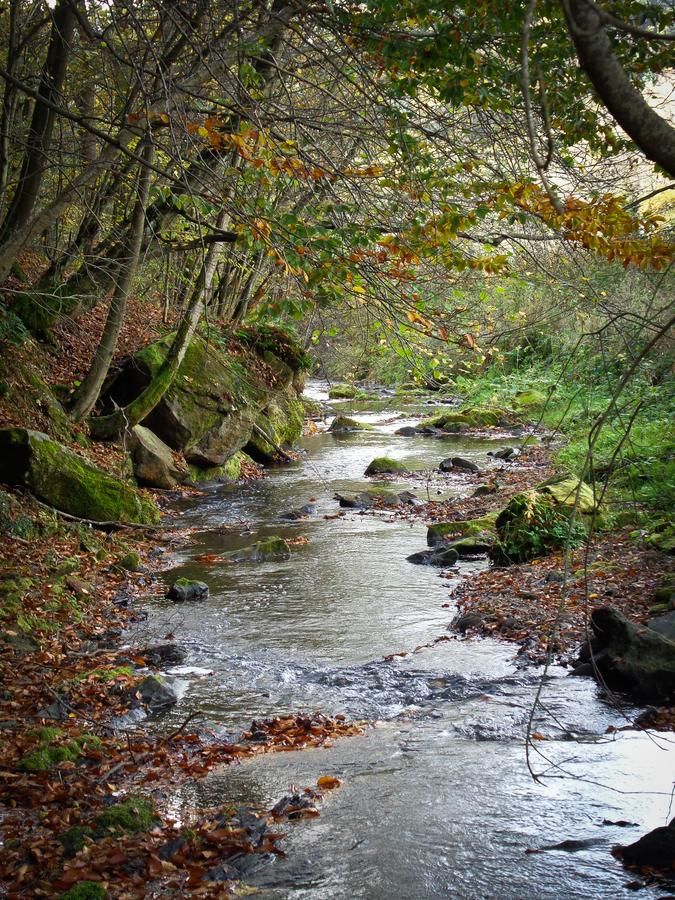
x=530, y=604
x=69, y=658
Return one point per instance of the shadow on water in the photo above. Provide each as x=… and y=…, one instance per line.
x=437, y=800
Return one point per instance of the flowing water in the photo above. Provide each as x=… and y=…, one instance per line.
x=437, y=800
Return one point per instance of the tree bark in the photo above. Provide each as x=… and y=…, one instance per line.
x=8, y=98
x=127, y=417
x=89, y=390
x=652, y=134
x=42, y=124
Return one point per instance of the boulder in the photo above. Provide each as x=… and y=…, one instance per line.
x=470, y=417
x=537, y=522
x=458, y=462
x=293, y=515
x=346, y=392
x=209, y=410
x=654, y=850
x=442, y=532
x=184, y=590
x=506, y=453
x=439, y=556
x=156, y=692
x=473, y=546
x=153, y=460
x=664, y=625
x=407, y=431
x=163, y=654
x=68, y=482
x=345, y=425
x=484, y=490
x=384, y=465
x=281, y=421
x=631, y=658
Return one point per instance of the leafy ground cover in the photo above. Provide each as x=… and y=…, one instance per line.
x=85, y=807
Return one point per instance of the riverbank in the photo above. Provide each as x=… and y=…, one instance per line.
x=172, y=855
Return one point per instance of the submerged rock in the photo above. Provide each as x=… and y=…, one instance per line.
x=384, y=465
x=184, y=590
x=407, y=431
x=68, y=482
x=267, y=550
x=293, y=515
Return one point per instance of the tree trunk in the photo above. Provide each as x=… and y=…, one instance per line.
x=42, y=124
x=653, y=135
x=8, y=98
x=89, y=390
x=127, y=417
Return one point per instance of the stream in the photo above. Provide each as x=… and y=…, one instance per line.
x=437, y=800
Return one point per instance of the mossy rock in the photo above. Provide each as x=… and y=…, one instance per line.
x=269, y=549
x=663, y=538
x=282, y=421
x=69, y=483
x=441, y=532
x=471, y=417
x=133, y=815
x=529, y=399
x=86, y=890
x=384, y=465
x=130, y=561
x=346, y=392
x=534, y=524
x=343, y=425
x=564, y=490
x=229, y=471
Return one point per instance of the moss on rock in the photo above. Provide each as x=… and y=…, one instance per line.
x=441, y=531
x=343, y=424
x=133, y=815
x=69, y=483
x=384, y=465
x=49, y=754
x=471, y=417
x=346, y=392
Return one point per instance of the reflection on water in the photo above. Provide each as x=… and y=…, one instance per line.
x=437, y=800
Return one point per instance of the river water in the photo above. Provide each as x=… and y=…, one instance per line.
x=437, y=800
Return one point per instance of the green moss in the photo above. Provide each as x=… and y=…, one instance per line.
x=344, y=423
x=132, y=815
x=534, y=524
x=231, y=469
x=75, y=839
x=384, y=465
x=85, y=890
x=346, y=392
x=130, y=561
x=438, y=533
x=106, y=674
x=529, y=399
x=471, y=417
x=49, y=754
x=273, y=547
x=282, y=421
x=69, y=483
